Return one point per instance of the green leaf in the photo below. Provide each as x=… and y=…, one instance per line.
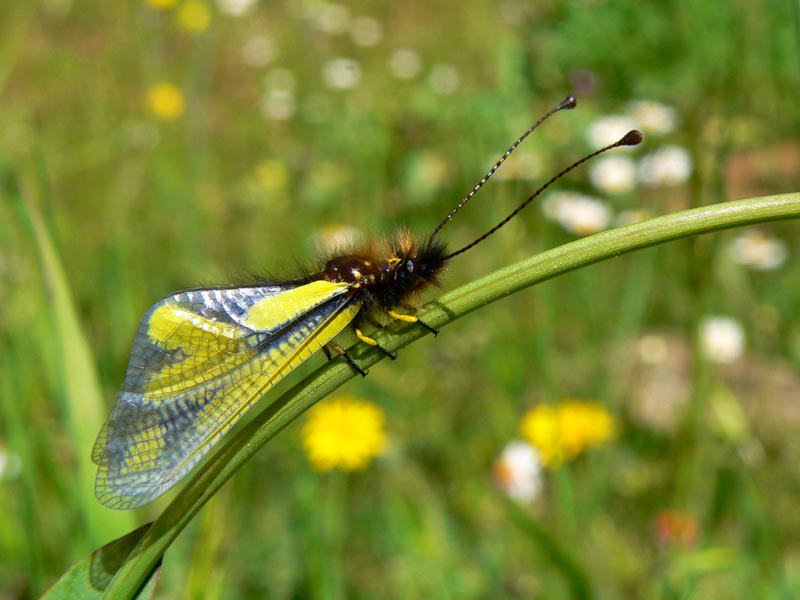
x=89, y=578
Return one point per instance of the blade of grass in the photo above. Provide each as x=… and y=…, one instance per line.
x=236, y=449
x=79, y=385
x=555, y=552
x=16, y=24
x=14, y=430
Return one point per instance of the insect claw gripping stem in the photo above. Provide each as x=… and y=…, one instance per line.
x=433, y=330
x=390, y=355
x=343, y=353
x=353, y=364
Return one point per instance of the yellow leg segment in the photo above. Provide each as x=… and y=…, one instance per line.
x=370, y=342
x=367, y=340
x=404, y=318
x=412, y=319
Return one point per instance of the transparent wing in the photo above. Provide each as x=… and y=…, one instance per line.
x=199, y=360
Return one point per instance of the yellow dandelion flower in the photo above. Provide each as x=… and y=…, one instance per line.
x=194, y=16
x=562, y=432
x=540, y=426
x=272, y=174
x=166, y=101
x=162, y=4
x=344, y=433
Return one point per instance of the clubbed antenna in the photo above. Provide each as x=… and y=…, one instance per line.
x=632, y=138
x=569, y=103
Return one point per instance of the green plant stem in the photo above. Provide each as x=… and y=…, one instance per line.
x=327, y=538
x=554, y=550
x=566, y=509
x=236, y=449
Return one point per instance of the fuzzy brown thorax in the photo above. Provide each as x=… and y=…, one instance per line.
x=392, y=274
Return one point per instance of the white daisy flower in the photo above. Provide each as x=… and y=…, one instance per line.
x=613, y=174
x=577, y=213
x=258, y=51
x=278, y=104
x=756, y=250
x=443, y=79
x=670, y=165
x=366, y=31
x=518, y=471
x=332, y=18
x=235, y=8
x=10, y=465
x=609, y=129
x=342, y=73
x=654, y=117
x=405, y=63
x=652, y=349
x=721, y=339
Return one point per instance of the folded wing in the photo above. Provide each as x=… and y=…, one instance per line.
x=199, y=361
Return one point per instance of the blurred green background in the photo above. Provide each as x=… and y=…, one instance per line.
x=147, y=147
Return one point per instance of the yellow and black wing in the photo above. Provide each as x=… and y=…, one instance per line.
x=199, y=360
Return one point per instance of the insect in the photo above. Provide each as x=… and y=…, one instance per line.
x=202, y=357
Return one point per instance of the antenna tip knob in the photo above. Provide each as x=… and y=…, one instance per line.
x=569, y=103
x=633, y=138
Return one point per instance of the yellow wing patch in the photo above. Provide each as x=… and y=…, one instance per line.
x=175, y=327
x=199, y=361
x=207, y=348
x=270, y=313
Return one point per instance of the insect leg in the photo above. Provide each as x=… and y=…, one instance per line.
x=412, y=319
x=342, y=352
x=370, y=342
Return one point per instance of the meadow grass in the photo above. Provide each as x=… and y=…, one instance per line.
x=110, y=199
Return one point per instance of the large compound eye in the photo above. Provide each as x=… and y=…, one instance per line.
x=409, y=266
